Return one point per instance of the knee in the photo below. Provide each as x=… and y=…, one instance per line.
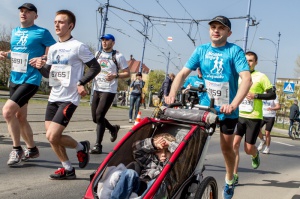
x=7, y=113
x=21, y=117
x=53, y=139
x=236, y=147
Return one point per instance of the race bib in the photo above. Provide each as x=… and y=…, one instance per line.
x=19, y=62
x=246, y=105
x=60, y=75
x=219, y=90
x=101, y=81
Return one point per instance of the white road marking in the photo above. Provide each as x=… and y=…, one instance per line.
x=283, y=143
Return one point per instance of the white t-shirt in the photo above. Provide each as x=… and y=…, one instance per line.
x=67, y=67
x=108, y=67
x=269, y=104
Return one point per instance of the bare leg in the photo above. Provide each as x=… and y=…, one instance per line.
x=59, y=142
x=228, y=153
x=9, y=111
x=25, y=128
x=236, y=146
x=268, y=138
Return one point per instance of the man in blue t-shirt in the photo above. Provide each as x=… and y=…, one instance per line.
x=28, y=43
x=221, y=64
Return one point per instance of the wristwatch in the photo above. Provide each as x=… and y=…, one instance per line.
x=117, y=76
x=255, y=96
x=79, y=83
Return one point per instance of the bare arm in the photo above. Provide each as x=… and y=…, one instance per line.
x=241, y=93
x=177, y=83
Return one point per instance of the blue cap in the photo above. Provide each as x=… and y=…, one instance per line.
x=108, y=37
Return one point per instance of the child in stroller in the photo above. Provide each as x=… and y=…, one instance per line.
x=150, y=156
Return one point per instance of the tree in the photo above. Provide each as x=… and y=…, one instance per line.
x=156, y=78
x=5, y=65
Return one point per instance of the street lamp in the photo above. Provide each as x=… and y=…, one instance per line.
x=168, y=61
x=145, y=34
x=276, y=55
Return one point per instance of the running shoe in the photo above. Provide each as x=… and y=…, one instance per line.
x=236, y=179
x=15, y=157
x=256, y=161
x=97, y=149
x=29, y=153
x=63, y=174
x=267, y=150
x=83, y=155
x=130, y=121
x=261, y=145
x=114, y=134
x=228, y=191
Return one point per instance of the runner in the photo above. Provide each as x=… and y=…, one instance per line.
x=28, y=42
x=269, y=113
x=251, y=115
x=221, y=64
x=65, y=68
x=105, y=89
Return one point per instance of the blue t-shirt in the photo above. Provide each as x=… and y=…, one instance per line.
x=220, y=68
x=28, y=43
x=195, y=81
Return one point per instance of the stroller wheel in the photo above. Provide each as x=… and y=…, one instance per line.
x=208, y=188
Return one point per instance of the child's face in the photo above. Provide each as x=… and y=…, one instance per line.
x=163, y=154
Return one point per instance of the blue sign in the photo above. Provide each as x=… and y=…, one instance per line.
x=289, y=87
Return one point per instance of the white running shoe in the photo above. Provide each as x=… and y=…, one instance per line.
x=15, y=157
x=267, y=150
x=261, y=145
x=130, y=120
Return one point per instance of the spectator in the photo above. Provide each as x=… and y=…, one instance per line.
x=135, y=96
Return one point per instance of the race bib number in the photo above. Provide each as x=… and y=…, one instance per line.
x=19, y=62
x=102, y=82
x=246, y=105
x=219, y=90
x=60, y=75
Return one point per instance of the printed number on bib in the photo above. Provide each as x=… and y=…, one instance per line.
x=19, y=62
x=219, y=90
x=246, y=106
x=102, y=82
x=60, y=75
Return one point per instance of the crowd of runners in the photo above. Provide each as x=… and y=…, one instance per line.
x=244, y=97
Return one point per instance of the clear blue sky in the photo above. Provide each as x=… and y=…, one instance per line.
x=273, y=16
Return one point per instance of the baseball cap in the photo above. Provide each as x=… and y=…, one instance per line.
x=223, y=20
x=29, y=6
x=108, y=37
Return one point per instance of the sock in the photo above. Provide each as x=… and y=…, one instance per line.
x=17, y=147
x=67, y=165
x=33, y=148
x=229, y=182
x=79, y=147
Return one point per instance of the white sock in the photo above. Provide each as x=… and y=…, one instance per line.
x=79, y=147
x=67, y=165
x=230, y=182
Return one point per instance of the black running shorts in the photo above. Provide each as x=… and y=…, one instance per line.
x=269, y=122
x=60, y=112
x=227, y=126
x=21, y=93
x=248, y=127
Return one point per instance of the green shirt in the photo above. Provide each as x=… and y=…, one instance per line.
x=252, y=109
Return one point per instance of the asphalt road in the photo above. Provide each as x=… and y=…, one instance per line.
x=278, y=177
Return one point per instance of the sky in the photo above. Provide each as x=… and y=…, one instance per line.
x=125, y=22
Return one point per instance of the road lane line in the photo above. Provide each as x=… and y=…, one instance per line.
x=283, y=143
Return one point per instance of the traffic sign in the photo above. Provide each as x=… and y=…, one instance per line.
x=289, y=87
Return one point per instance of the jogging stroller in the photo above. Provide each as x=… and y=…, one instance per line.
x=182, y=176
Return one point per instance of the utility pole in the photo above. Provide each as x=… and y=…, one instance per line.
x=104, y=23
x=146, y=24
x=102, y=32
x=247, y=26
